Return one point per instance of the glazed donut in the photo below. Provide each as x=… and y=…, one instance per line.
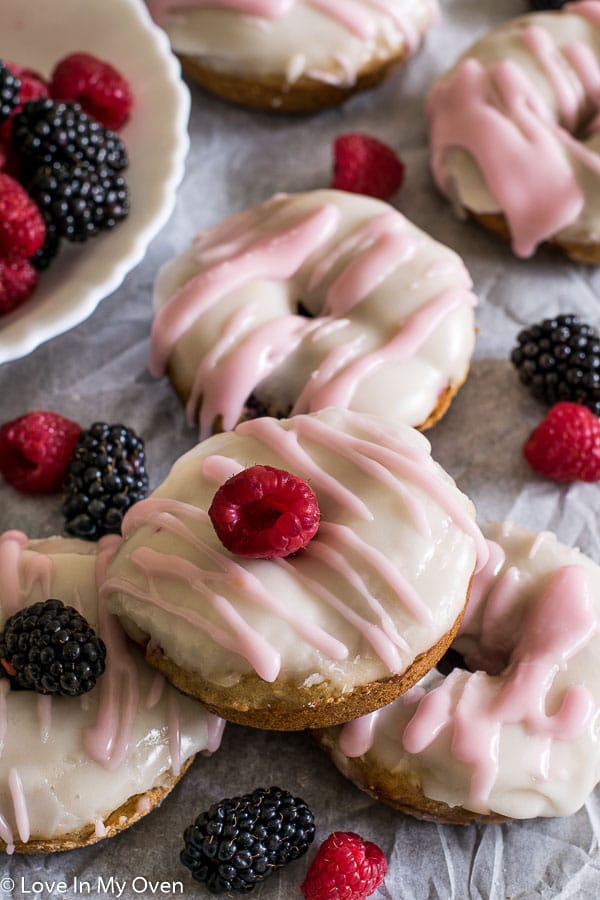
x=515, y=735
x=312, y=300
x=292, y=55
x=348, y=622
x=74, y=770
x=514, y=131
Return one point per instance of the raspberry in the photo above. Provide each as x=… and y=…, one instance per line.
x=345, y=868
x=35, y=450
x=565, y=446
x=364, y=165
x=22, y=229
x=263, y=512
x=18, y=280
x=96, y=85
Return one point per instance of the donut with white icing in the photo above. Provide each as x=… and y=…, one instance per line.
x=345, y=624
x=514, y=131
x=292, y=55
x=313, y=300
x=516, y=734
x=74, y=770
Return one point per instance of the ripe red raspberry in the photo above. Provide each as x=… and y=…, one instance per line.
x=345, y=868
x=565, y=446
x=18, y=280
x=22, y=228
x=35, y=450
x=98, y=87
x=263, y=512
x=364, y=165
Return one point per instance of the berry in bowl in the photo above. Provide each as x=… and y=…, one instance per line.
x=100, y=72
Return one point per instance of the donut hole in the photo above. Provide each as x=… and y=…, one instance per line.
x=451, y=660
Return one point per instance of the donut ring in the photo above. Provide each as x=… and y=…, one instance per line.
x=74, y=770
x=347, y=623
x=516, y=736
x=292, y=55
x=514, y=131
x=314, y=300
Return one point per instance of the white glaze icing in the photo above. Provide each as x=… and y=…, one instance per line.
x=518, y=735
x=383, y=580
x=392, y=324
x=67, y=763
x=325, y=40
x=519, y=112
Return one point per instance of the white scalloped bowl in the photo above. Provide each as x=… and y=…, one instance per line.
x=36, y=34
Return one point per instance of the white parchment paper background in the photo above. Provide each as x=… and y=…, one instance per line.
x=99, y=370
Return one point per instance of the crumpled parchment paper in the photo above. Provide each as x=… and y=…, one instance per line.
x=98, y=370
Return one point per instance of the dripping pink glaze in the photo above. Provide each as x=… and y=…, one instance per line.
x=7, y=835
x=497, y=117
x=348, y=13
x=244, y=356
x=168, y=514
x=275, y=256
x=216, y=726
x=568, y=98
x=156, y=691
x=558, y=624
x=19, y=805
x=338, y=388
x=482, y=584
x=107, y=741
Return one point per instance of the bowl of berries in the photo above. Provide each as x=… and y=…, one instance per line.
x=88, y=168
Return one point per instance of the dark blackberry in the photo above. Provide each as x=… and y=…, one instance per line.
x=106, y=476
x=47, y=131
x=10, y=89
x=559, y=359
x=51, y=649
x=241, y=841
x=547, y=4
x=80, y=201
x=42, y=258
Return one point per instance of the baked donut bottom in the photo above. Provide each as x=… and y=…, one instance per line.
x=400, y=790
x=130, y=812
x=274, y=93
x=496, y=223
x=285, y=705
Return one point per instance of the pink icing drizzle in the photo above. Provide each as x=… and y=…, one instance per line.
x=19, y=804
x=559, y=624
x=241, y=358
x=500, y=118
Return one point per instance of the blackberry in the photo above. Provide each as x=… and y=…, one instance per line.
x=80, y=201
x=42, y=258
x=547, y=4
x=51, y=649
x=10, y=89
x=559, y=359
x=48, y=131
x=106, y=476
x=241, y=841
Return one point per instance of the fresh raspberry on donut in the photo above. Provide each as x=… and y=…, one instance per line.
x=101, y=91
x=264, y=512
x=18, y=280
x=35, y=450
x=345, y=868
x=565, y=446
x=22, y=228
x=365, y=165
